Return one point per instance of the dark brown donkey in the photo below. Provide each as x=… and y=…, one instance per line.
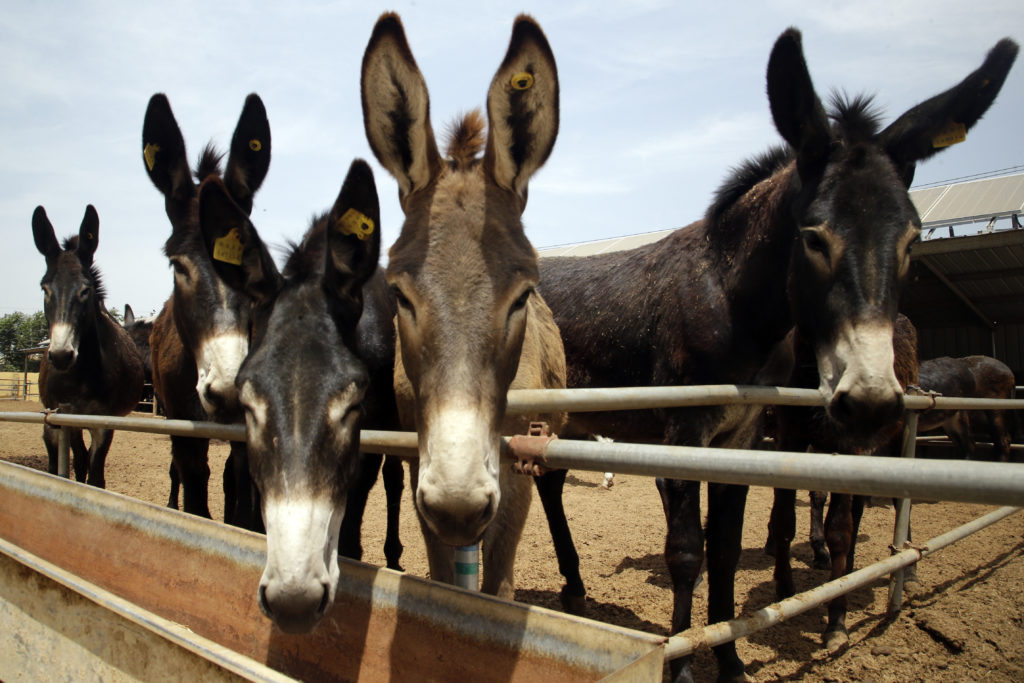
x=91, y=365
x=971, y=377
x=470, y=323
x=319, y=368
x=201, y=336
x=815, y=235
x=139, y=330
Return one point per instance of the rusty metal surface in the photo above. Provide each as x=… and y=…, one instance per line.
x=384, y=625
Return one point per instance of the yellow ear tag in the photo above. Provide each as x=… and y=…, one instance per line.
x=356, y=223
x=149, y=154
x=950, y=135
x=255, y=145
x=228, y=248
x=522, y=81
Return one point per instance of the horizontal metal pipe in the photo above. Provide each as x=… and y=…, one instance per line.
x=635, y=398
x=686, y=642
x=960, y=481
x=954, y=480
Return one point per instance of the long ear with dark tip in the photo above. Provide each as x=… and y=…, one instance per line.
x=163, y=152
x=522, y=108
x=353, y=234
x=88, y=235
x=129, y=316
x=236, y=251
x=396, y=108
x=798, y=113
x=944, y=120
x=42, y=233
x=250, y=153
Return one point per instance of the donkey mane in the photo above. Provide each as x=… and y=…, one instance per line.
x=855, y=119
x=465, y=139
x=209, y=162
x=71, y=244
x=306, y=258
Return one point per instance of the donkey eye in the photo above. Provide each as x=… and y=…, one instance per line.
x=813, y=241
x=520, y=303
x=47, y=292
x=83, y=293
x=403, y=300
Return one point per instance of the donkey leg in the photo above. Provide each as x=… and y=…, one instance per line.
x=726, y=503
x=782, y=529
x=684, y=555
x=549, y=487
x=498, y=548
x=821, y=556
x=172, y=500
x=50, y=438
x=839, y=535
x=350, y=537
x=80, y=455
x=394, y=482
x=189, y=458
x=1000, y=433
x=98, y=449
x=247, y=514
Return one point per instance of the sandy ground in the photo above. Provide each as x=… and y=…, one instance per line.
x=965, y=622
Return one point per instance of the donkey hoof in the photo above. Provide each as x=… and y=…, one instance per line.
x=573, y=604
x=735, y=678
x=822, y=563
x=835, y=640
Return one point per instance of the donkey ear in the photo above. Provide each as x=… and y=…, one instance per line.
x=353, y=234
x=163, y=152
x=522, y=108
x=396, y=108
x=88, y=235
x=250, y=153
x=798, y=113
x=129, y=316
x=944, y=120
x=42, y=232
x=236, y=251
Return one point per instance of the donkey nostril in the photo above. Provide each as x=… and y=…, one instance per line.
x=324, y=599
x=264, y=605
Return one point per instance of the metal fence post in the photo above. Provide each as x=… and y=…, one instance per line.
x=64, y=447
x=901, y=530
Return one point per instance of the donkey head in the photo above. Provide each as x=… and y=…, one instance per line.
x=72, y=293
x=212, y=319
x=856, y=222
x=302, y=384
x=462, y=269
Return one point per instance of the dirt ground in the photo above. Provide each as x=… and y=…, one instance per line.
x=965, y=622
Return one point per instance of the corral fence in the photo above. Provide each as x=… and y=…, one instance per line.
x=903, y=478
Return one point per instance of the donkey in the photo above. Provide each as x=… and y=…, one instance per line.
x=91, y=365
x=139, y=330
x=319, y=367
x=815, y=235
x=972, y=377
x=201, y=335
x=470, y=322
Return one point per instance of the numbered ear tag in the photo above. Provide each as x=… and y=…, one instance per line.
x=149, y=154
x=228, y=249
x=950, y=135
x=255, y=145
x=356, y=223
x=522, y=80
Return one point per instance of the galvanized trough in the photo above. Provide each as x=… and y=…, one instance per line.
x=95, y=585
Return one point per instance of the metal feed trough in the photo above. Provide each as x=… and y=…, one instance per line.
x=96, y=585
x=369, y=631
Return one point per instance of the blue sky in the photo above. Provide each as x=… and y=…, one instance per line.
x=658, y=101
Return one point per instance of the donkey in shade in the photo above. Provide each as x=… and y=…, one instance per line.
x=91, y=364
x=201, y=336
x=470, y=323
x=138, y=330
x=320, y=366
x=816, y=235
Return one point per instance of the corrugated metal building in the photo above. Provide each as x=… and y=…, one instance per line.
x=966, y=288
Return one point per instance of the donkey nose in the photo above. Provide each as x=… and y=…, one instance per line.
x=866, y=411
x=457, y=521
x=294, y=607
x=61, y=358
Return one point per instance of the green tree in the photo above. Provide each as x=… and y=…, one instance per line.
x=20, y=331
